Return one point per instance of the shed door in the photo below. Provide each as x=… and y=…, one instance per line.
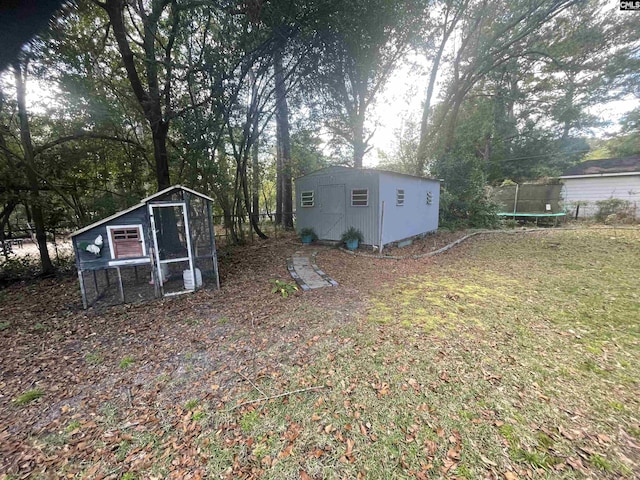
x=332, y=211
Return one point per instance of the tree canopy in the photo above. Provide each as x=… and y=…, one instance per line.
x=235, y=98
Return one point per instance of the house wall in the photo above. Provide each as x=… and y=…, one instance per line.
x=332, y=212
x=88, y=261
x=587, y=191
x=415, y=217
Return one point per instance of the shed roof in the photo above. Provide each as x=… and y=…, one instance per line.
x=605, y=167
x=142, y=203
x=368, y=170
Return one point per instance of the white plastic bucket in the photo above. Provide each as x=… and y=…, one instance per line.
x=187, y=277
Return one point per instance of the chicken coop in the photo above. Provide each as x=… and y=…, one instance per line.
x=163, y=246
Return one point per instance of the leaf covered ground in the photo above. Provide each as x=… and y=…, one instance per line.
x=511, y=356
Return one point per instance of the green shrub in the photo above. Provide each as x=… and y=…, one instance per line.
x=621, y=210
x=283, y=288
x=17, y=269
x=308, y=232
x=352, y=233
x=458, y=212
x=29, y=396
x=126, y=362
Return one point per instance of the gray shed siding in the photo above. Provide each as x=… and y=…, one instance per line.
x=333, y=213
x=415, y=217
x=88, y=261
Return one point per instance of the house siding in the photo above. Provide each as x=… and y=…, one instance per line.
x=587, y=191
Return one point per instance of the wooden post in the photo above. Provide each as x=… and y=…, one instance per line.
x=55, y=245
x=515, y=202
x=120, y=284
x=95, y=282
x=82, y=290
x=106, y=277
x=381, y=227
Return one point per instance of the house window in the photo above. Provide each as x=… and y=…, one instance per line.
x=400, y=197
x=429, y=198
x=359, y=197
x=306, y=199
x=125, y=241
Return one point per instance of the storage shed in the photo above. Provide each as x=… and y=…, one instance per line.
x=163, y=246
x=593, y=181
x=386, y=207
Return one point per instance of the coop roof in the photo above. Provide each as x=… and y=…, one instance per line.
x=142, y=203
x=605, y=167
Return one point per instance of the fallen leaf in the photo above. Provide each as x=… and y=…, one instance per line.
x=453, y=454
x=350, y=445
x=430, y=447
x=304, y=475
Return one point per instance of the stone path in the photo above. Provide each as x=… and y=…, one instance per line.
x=302, y=267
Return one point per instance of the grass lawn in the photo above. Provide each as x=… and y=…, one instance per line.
x=512, y=356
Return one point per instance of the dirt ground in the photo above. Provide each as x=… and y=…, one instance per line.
x=211, y=341
x=125, y=389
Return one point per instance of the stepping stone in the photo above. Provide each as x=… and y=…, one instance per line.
x=306, y=273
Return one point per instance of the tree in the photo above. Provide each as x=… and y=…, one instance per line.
x=146, y=46
x=451, y=12
x=284, y=142
x=361, y=44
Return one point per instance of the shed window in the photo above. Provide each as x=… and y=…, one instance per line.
x=429, y=198
x=359, y=197
x=400, y=197
x=306, y=199
x=126, y=241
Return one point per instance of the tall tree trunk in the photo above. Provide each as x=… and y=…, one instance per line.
x=255, y=182
x=160, y=154
x=282, y=119
x=4, y=220
x=452, y=121
x=252, y=202
x=426, y=110
x=150, y=99
x=447, y=30
x=30, y=170
x=279, y=184
x=247, y=200
x=359, y=146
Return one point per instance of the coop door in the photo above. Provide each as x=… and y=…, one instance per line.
x=172, y=248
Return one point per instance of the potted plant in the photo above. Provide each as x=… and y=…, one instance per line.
x=308, y=235
x=352, y=237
